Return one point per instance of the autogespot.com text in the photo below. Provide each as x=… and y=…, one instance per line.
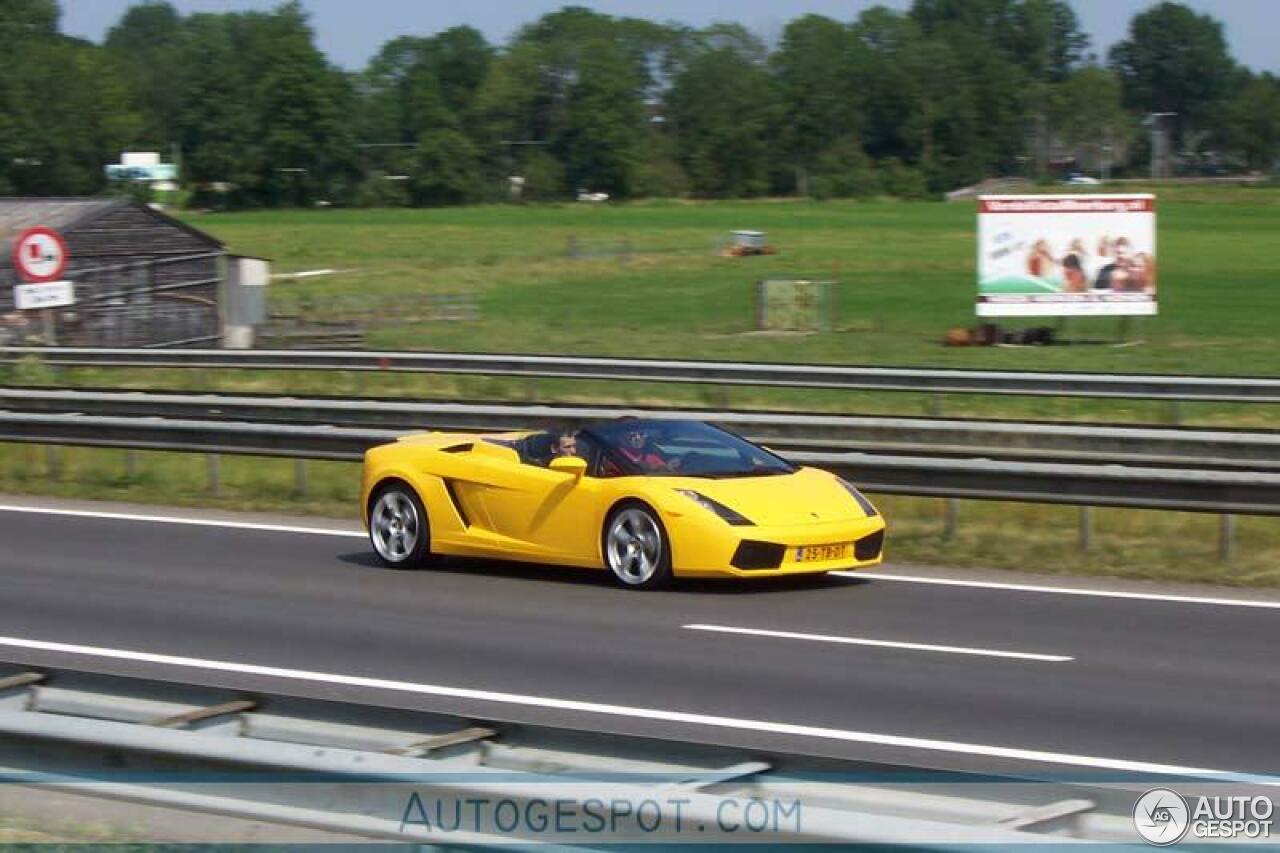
x=663, y=815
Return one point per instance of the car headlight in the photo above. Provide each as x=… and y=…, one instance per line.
x=734, y=518
x=866, y=505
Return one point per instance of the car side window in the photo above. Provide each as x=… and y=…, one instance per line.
x=606, y=467
x=536, y=449
x=589, y=451
x=539, y=449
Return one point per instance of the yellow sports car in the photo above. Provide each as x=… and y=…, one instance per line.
x=644, y=499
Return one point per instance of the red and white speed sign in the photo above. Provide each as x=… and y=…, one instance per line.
x=40, y=254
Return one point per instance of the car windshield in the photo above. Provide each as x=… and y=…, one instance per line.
x=684, y=449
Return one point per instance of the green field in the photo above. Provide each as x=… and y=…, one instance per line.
x=649, y=282
x=906, y=273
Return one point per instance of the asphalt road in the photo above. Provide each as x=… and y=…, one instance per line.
x=972, y=677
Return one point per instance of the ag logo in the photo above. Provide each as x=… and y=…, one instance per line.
x=1161, y=817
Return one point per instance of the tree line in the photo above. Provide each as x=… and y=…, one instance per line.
x=904, y=103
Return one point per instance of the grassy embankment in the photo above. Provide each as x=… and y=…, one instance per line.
x=906, y=275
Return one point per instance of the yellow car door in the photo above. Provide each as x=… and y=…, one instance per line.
x=549, y=514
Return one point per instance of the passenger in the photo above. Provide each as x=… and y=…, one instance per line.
x=565, y=444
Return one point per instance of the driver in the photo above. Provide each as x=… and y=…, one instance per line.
x=636, y=448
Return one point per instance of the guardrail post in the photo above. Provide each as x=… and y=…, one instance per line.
x=1226, y=537
x=1086, y=529
x=300, y=477
x=131, y=465
x=935, y=406
x=53, y=461
x=215, y=474
x=1175, y=412
x=952, y=523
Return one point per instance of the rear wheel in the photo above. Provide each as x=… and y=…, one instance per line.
x=398, y=527
x=636, y=550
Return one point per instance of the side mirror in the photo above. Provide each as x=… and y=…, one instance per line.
x=575, y=465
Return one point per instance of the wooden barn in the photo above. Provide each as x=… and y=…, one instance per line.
x=141, y=277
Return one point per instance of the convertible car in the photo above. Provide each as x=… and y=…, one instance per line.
x=643, y=499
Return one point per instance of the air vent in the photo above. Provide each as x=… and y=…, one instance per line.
x=458, y=448
x=457, y=504
x=757, y=556
x=868, y=547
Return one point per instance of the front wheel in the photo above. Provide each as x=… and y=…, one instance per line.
x=635, y=547
x=398, y=527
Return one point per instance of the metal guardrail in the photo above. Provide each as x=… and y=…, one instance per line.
x=1194, y=490
x=826, y=376
x=1042, y=442
x=359, y=770
x=185, y=436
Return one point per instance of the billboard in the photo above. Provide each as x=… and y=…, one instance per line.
x=158, y=172
x=1066, y=255
x=142, y=166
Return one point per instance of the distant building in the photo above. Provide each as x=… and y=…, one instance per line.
x=142, y=278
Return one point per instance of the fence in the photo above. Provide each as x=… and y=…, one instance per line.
x=1221, y=389
x=345, y=767
x=169, y=301
x=1085, y=485
x=1165, y=447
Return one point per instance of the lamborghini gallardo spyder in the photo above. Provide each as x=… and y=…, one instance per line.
x=645, y=500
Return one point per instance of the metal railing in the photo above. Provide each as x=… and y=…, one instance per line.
x=818, y=376
x=1193, y=490
x=356, y=770
x=1242, y=450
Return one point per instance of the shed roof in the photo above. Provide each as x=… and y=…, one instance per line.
x=67, y=214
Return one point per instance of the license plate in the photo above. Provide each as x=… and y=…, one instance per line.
x=822, y=553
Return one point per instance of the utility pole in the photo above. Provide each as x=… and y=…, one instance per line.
x=1159, y=144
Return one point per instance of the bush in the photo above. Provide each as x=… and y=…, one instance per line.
x=377, y=191
x=139, y=191
x=661, y=178
x=544, y=178
x=844, y=171
x=31, y=370
x=448, y=169
x=903, y=181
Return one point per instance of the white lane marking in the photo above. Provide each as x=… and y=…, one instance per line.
x=856, y=575
x=885, y=644
x=649, y=714
x=1066, y=590
x=193, y=522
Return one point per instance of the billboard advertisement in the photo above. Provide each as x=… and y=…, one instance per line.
x=158, y=172
x=1066, y=255
x=142, y=166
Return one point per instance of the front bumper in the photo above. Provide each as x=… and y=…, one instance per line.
x=700, y=550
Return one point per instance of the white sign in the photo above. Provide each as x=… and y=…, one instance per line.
x=40, y=254
x=53, y=294
x=256, y=272
x=1045, y=255
x=140, y=158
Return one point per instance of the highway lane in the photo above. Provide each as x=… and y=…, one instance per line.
x=1098, y=678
